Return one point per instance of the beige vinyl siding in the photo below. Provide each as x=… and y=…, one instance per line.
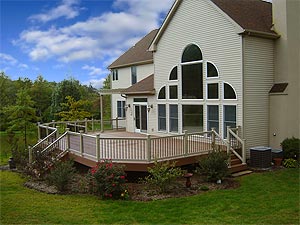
x=124, y=81
x=199, y=22
x=258, y=80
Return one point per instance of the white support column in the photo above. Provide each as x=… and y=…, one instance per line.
x=68, y=139
x=101, y=113
x=81, y=143
x=213, y=138
x=186, y=142
x=98, y=147
x=86, y=125
x=149, y=147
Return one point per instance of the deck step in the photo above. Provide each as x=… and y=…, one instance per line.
x=242, y=173
x=238, y=168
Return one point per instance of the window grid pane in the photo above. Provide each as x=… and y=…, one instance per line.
x=173, y=118
x=213, y=117
x=162, y=120
x=212, y=70
x=173, y=92
x=213, y=91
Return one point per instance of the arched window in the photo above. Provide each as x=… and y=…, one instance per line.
x=192, y=73
x=211, y=70
x=191, y=53
x=173, y=75
x=229, y=92
x=162, y=93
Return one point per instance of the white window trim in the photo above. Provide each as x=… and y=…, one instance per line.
x=162, y=131
x=219, y=106
x=211, y=78
x=223, y=92
x=223, y=115
x=172, y=99
x=213, y=99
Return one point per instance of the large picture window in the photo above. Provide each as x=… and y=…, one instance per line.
x=192, y=73
x=121, y=109
x=162, y=117
x=192, y=118
x=213, y=117
x=173, y=118
x=229, y=117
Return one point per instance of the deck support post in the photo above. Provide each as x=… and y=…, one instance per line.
x=30, y=154
x=117, y=123
x=39, y=131
x=101, y=113
x=228, y=145
x=149, y=147
x=81, y=143
x=57, y=132
x=53, y=123
x=98, y=147
x=68, y=139
x=213, y=138
x=239, y=131
x=244, y=151
x=185, y=142
x=86, y=125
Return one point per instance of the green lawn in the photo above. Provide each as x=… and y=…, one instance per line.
x=263, y=198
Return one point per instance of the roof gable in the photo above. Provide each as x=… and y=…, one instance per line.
x=249, y=16
x=137, y=54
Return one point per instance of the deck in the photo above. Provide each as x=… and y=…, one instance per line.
x=134, y=150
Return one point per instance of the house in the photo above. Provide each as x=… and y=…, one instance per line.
x=213, y=64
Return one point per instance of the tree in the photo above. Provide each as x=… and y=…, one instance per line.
x=22, y=115
x=41, y=92
x=63, y=89
x=74, y=110
x=107, y=98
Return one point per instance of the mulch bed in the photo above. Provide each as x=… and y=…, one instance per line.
x=142, y=192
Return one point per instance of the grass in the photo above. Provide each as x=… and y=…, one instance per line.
x=263, y=198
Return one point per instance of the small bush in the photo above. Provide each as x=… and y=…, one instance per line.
x=162, y=174
x=214, y=166
x=204, y=188
x=291, y=148
x=290, y=163
x=108, y=180
x=61, y=174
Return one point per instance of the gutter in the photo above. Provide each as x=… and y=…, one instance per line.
x=261, y=34
x=132, y=64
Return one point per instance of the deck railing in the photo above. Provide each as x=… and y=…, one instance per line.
x=146, y=149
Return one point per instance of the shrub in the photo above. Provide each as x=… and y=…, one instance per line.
x=61, y=174
x=290, y=163
x=108, y=180
x=162, y=174
x=214, y=166
x=204, y=188
x=291, y=148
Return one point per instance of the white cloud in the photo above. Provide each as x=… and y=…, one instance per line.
x=96, y=83
x=93, y=71
x=68, y=9
x=8, y=61
x=101, y=37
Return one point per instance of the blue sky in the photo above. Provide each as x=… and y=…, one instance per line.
x=72, y=38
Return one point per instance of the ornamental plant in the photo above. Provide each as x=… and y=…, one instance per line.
x=109, y=180
x=162, y=174
x=214, y=166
